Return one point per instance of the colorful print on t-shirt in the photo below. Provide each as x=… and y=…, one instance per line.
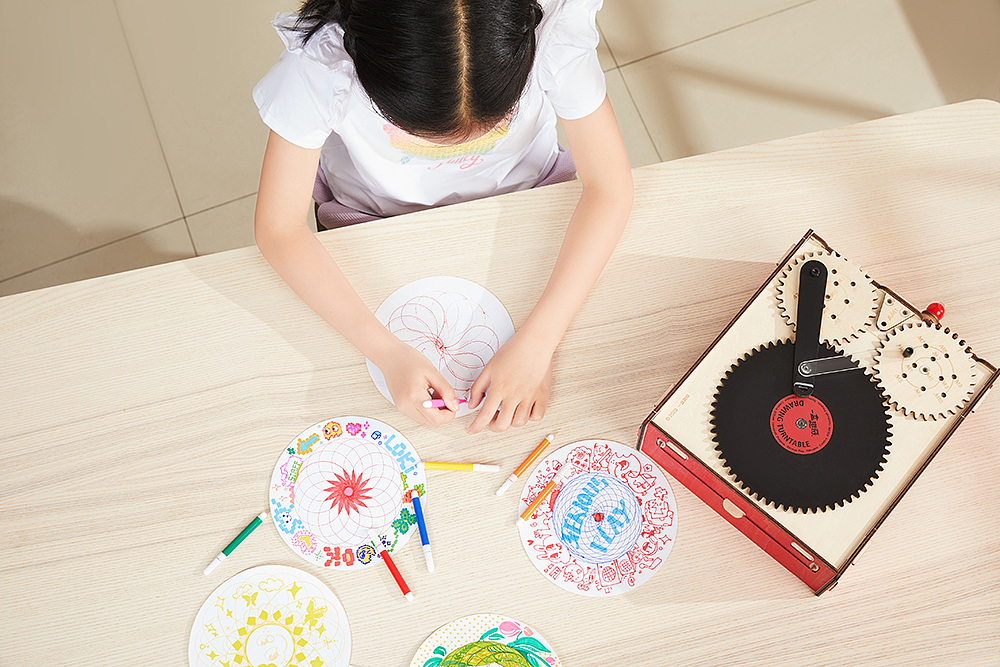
x=465, y=155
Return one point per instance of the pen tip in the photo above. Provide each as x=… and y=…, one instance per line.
x=408, y=596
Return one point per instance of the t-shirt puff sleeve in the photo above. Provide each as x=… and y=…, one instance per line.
x=302, y=96
x=566, y=57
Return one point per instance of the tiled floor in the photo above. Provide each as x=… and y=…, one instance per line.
x=128, y=136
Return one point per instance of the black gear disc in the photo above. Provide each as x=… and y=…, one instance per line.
x=801, y=453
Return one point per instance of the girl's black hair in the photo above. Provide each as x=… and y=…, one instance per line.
x=435, y=68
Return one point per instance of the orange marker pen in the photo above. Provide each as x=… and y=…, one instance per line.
x=544, y=493
x=525, y=464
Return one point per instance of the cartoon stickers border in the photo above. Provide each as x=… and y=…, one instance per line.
x=659, y=520
x=291, y=528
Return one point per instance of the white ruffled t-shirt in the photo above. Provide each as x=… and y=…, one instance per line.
x=312, y=98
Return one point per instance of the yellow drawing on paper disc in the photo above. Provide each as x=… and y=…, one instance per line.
x=271, y=616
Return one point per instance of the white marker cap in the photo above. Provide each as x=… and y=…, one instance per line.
x=506, y=485
x=428, y=558
x=215, y=561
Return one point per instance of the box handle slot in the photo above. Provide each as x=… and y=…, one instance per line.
x=663, y=444
x=731, y=507
x=813, y=565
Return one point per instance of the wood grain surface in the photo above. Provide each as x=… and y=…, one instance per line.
x=142, y=414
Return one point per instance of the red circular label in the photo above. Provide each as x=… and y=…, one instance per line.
x=801, y=424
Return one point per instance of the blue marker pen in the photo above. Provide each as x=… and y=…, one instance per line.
x=423, y=530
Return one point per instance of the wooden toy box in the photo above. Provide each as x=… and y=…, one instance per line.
x=818, y=546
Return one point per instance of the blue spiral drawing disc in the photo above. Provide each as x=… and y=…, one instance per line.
x=597, y=517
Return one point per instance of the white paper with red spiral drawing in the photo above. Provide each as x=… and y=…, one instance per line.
x=659, y=519
x=454, y=322
x=341, y=481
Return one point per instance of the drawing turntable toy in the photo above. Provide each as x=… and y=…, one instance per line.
x=341, y=483
x=814, y=411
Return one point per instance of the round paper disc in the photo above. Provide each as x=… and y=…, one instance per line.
x=455, y=323
x=270, y=615
x=652, y=492
x=485, y=639
x=339, y=482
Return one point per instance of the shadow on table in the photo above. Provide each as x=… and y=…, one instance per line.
x=961, y=42
x=685, y=305
x=662, y=312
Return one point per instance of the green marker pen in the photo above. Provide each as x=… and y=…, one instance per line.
x=236, y=541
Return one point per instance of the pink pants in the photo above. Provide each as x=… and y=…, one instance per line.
x=331, y=214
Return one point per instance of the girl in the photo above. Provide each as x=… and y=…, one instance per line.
x=409, y=104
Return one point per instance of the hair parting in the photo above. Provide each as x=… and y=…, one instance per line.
x=435, y=68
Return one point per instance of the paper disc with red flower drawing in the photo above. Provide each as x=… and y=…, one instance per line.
x=455, y=323
x=347, y=489
x=485, y=639
x=340, y=482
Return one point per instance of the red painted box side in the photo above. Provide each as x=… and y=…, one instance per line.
x=816, y=573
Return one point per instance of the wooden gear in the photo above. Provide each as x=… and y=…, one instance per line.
x=850, y=296
x=935, y=379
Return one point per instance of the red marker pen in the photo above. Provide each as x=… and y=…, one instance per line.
x=384, y=553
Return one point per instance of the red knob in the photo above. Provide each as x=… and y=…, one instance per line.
x=935, y=310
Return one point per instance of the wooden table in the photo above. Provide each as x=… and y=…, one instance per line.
x=143, y=414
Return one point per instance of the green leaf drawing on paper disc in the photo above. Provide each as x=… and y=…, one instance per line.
x=482, y=652
x=529, y=643
x=491, y=634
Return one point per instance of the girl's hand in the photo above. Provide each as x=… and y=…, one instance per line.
x=412, y=379
x=517, y=380
x=519, y=375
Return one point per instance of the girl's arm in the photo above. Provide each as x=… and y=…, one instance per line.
x=518, y=377
x=289, y=246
